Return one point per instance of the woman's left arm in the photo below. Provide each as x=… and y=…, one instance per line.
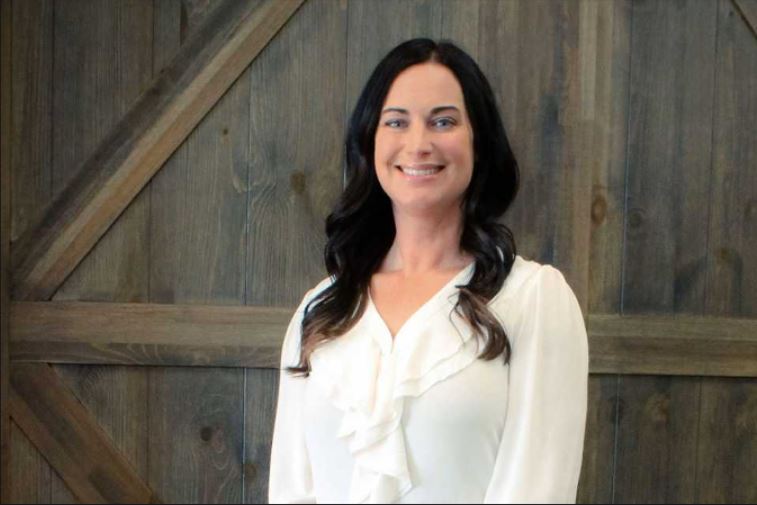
x=539, y=457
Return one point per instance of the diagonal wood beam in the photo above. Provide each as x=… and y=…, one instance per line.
x=206, y=66
x=203, y=335
x=71, y=440
x=748, y=11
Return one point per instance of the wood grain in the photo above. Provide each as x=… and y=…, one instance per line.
x=135, y=150
x=672, y=74
x=295, y=137
x=727, y=452
x=198, y=236
x=71, y=440
x=198, y=335
x=657, y=440
x=30, y=186
x=102, y=63
x=5, y=241
x=535, y=74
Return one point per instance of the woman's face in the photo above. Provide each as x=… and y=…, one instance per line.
x=424, y=141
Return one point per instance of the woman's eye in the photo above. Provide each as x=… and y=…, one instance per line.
x=394, y=123
x=444, y=122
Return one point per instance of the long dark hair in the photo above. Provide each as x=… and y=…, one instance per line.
x=361, y=229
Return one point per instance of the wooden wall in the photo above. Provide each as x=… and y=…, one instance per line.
x=632, y=123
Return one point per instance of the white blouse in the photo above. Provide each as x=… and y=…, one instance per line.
x=419, y=419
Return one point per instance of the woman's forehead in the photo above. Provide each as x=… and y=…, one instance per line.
x=423, y=87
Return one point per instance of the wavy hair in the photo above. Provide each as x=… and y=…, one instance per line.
x=361, y=229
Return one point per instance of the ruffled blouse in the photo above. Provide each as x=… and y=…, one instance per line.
x=418, y=418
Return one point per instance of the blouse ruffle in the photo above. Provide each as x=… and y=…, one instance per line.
x=367, y=376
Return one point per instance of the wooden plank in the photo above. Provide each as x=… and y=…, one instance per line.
x=727, y=449
x=199, y=335
x=29, y=473
x=657, y=440
x=71, y=440
x=604, y=53
x=5, y=242
x=133, y=334
x=132, y=153
x=391, y=22
x=673, y=345
x=727, y=445
x=30, y=185
x=748, y=11
x=103, y=62
x=665, y=255
x=595, y=483
x=296, y=135
x=198, y=235
x=536, y=75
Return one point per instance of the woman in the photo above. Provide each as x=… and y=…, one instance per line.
x=433, y=364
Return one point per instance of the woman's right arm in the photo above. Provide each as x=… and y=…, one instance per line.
x=291, y=479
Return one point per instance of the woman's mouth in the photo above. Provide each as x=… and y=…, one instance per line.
x=423, y=170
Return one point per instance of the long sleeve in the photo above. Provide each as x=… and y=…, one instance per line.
x=539, y=457
x=290, y=473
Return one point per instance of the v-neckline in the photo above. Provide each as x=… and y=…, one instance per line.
x=419, y=311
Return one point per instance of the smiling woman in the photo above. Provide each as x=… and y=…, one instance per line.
x=399, y=396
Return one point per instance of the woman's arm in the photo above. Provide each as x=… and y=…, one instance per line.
x=539, y=457
x=290, y=478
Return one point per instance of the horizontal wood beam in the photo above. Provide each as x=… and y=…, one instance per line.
x=251, y=337
x=71, y=440
x=205, y=67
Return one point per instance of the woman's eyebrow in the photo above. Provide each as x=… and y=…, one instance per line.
x=435, y=110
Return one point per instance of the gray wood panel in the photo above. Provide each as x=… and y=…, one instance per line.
x=604, y=54
x=664, y=261
x=727, y=450
x=296, y=131
x=31, y=148
x=102, y=62
x=197, y=237
x=535, y=74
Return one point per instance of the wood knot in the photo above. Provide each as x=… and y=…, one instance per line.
x=297, y=182
x=206, y=433
x=635, y=218
x=598, y=210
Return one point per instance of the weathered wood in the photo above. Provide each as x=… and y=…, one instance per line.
x=135, y=150
x=672, y=74
x=732, y=269
x=748, y=10
x=157, y=334
x=673, y=345
x=197, y=335
x=5, y=242
x=604, y=52
x=727, y=445
x=198, y=235
x=30, y=185
x=536, y=75
x=260, y=413
x=657, y=440
x=30, y=473
x=71, y=440
x=102, y=63
x=727, y=448
x=296, y=134
x=595, y=483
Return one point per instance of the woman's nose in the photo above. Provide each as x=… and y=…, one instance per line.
x=418, y=140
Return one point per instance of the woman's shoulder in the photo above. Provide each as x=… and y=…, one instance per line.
x=527, y=274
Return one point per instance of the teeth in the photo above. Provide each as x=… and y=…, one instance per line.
x=419, y=172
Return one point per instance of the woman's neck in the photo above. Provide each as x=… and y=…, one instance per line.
x=426, y=242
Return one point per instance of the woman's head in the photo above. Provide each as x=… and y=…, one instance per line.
x=465, y=138
x=417, y=76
